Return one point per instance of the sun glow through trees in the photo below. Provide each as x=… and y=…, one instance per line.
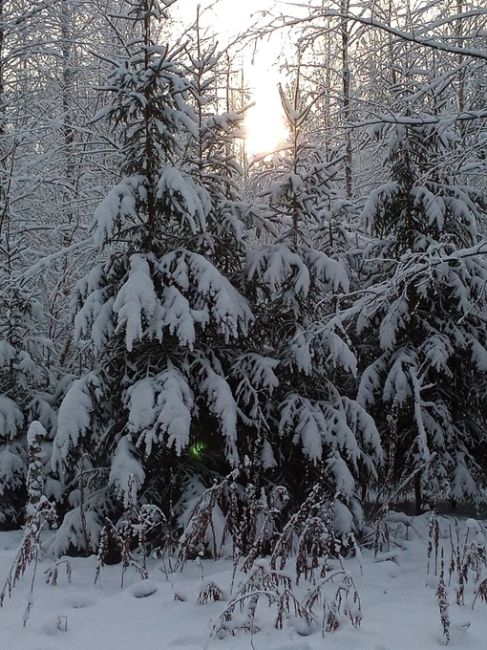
x=264, y=124
x=265, y=128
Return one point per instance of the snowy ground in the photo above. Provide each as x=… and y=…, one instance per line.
x=399, y=611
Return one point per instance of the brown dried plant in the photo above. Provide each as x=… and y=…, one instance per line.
x=200, y=521
x=210, y=592
x=442, y=600
x=307, y=535
x=343, y=602
x=131, y=533
x=29, y=552
x=262, y=584
x=52, y=572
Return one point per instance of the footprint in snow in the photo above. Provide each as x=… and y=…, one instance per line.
x=79, y=601
x=389, y=568
x=51, y=627
x=293, y=646
x=186, y=641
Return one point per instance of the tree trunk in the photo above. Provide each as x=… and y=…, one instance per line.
x=345, y=34
x=418, y=497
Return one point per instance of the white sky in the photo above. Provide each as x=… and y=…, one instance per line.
x=228, y=17
x=264, y=122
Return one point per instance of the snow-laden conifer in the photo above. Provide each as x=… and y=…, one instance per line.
x=420, y=319
x=296, y=391
x=25, y=388
x=163, y=309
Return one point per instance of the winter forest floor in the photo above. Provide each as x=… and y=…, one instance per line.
x=399, y=605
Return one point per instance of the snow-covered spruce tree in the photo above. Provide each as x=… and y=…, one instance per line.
x=161, y=310
x=420, y=320
x=24, y=390
x=293, y=385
